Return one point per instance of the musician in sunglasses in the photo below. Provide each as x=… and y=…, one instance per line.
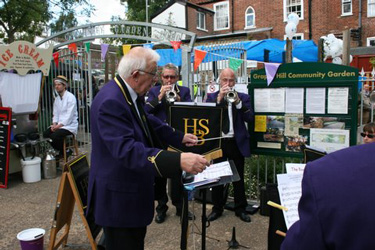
x=368, y=133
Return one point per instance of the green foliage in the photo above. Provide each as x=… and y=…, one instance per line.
x=23, y=19
x=261, y=169
x=137, y=9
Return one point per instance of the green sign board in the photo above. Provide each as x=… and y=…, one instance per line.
x=306, y=103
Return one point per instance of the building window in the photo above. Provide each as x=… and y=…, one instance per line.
x=370, y=8
x=221, y=16
x=250, y=18
x=201, y=21
x=370, y=41
x=291, y=6
x=346, y=7
x=297, y=36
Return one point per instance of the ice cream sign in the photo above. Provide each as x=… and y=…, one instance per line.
x=24, y=56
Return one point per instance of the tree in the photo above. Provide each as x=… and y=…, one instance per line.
x=25, y=19
x=137, y=8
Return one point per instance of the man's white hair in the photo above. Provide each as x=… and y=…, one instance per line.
x=136, y=59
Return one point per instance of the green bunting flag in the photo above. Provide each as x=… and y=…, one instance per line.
x=235, y=63
x=87, y=47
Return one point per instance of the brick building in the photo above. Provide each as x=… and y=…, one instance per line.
x=261, y=19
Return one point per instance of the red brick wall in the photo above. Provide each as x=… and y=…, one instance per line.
x=326, y=18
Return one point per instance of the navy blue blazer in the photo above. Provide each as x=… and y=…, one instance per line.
x=123, y=163
x=159, y=109
x=240, y=116
x=336, y=209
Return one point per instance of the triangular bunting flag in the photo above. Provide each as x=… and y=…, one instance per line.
x=271, y=70
x=126, y=48
x=148, y=45
x=235, y=63
x=56, y=58
x=73, y=48
x=104, y=48
x=176, y=45
x=87, y=47
x=199, y=55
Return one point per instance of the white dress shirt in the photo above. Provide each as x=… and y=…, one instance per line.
x=65, y=112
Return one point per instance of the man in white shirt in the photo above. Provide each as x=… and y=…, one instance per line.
x=65, y=115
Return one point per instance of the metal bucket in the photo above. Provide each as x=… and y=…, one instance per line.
x=49, y=165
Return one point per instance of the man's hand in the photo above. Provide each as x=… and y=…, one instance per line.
x=223, y=91
x=164, y=90
x=193, y=163
x=190, y=140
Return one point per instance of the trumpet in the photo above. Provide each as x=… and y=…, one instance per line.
x=171, y=96
x=231, y=96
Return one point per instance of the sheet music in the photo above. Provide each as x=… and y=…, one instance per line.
x=290, y=191
x=214, y=171
x=211, y=174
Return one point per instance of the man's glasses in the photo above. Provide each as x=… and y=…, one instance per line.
x=170, y=77
x=150, y=73
x=368, y=135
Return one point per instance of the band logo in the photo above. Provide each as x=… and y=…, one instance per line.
x=204, y=122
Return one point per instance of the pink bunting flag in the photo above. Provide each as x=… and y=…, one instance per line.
x=271, y=70
x=104, y=49
x=176, y=45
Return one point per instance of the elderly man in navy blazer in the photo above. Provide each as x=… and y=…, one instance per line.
x=125, y=156
x=236, y=142
x=336, y=208
x=158, y=104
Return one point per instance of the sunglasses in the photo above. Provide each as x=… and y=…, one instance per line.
x=368, y=135
x=171, y=77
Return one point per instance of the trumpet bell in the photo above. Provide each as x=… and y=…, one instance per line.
x=171, y=96
x=231, y=96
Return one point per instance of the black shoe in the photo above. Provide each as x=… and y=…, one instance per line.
x=191, y=216
x=243, y=216
x=213, y=216
x=160, y=218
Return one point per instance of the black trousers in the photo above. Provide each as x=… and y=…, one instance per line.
x=57, y=138
x=124, y=238
x=231, y=152
x=162, y=197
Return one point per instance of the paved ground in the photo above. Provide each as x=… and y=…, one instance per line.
x=32, y=205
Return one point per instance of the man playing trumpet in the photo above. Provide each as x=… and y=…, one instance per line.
x=159, y=99
x=236, y=143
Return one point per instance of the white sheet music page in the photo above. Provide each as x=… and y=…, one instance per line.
x=214, y=171
x=290, y=191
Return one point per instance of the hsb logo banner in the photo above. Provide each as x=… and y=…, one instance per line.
x=204, y=122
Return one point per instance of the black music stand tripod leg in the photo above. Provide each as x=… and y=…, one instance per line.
x=184, y=221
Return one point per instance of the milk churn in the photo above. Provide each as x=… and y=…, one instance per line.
x=49, y=165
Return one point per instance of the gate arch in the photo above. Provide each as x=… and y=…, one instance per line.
x=81, y=78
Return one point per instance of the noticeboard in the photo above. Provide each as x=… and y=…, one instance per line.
x=306, y=103
x=5, y=126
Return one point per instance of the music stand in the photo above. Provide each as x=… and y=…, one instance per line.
x=184, y=224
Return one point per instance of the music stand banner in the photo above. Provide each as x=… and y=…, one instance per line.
x=202, y=121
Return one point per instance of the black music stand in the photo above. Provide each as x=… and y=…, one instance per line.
x=184, y=219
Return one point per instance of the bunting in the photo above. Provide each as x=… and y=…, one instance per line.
x=73, y=47
x=148, y=45
x=87, y=47
x=56, y=58
x=176, y=45
x=271, y=70
x=104, y=49
x=198, y=58
x=234, y=63
x=126, y=48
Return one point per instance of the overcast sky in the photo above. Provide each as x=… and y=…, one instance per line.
x=105, y=9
